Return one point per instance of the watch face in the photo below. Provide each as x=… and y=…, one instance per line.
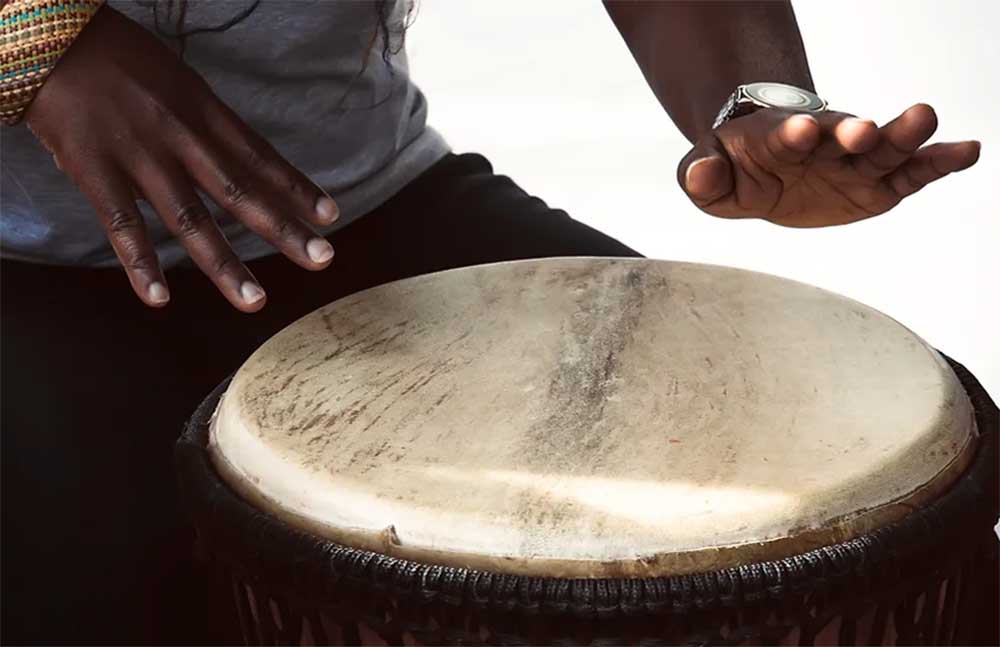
x=780, y=95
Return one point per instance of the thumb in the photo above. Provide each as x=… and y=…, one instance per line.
x=706, y=173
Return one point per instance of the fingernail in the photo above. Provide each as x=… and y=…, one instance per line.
x=327, y=210
x=801, y=121
x=251, y=292
x=158, y=292
x=977, y=147
x=319, y=250
x=707, y=185
x=687, y=173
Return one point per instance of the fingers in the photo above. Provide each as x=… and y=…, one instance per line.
x=790, y=139
x=705, y=173
x=899, y=139
x=169, y=190
x=782, y=139
x=845, y=134
x=299, y=196
x=732, y=172
x=932, y=163
x=246, y=195
x=114, y=201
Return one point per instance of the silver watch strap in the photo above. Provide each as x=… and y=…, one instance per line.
x=726, y=113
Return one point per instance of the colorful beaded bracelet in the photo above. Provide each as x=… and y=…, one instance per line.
x=33, y=35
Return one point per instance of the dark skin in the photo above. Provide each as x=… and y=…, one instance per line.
x=126, y=119
x=794, y=170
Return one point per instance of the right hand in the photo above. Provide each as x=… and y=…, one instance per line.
x=126, y=119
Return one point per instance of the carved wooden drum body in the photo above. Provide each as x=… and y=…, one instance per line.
x=589, y=451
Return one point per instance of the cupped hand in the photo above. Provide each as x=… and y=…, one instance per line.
x=818, y=169
x=126, y=119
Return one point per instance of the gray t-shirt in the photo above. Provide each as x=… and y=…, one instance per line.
x=295, y=71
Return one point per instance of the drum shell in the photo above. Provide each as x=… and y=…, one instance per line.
x=929, y=579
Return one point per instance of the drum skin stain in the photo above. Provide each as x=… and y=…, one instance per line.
x=607, y=313
x=588, y=360
x=316, y=420
x=312, y=423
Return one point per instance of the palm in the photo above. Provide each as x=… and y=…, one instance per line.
x=806, y=171
x=827, y=192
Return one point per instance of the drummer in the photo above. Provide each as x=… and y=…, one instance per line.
x=215, y=150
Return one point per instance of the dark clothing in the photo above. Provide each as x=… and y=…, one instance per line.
x=96, y=388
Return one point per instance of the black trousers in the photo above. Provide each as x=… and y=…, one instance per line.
x=96, y=388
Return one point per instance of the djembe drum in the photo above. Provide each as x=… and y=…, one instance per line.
x=599, y=451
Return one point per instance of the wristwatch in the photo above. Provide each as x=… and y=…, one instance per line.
x=754, y=96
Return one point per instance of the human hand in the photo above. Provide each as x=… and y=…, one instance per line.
x=817, y=169
x=126, y=119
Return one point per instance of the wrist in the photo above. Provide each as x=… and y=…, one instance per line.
x=34, y=35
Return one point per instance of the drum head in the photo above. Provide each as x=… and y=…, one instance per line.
x=590, y=417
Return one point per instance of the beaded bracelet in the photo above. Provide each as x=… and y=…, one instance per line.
x=33, y=35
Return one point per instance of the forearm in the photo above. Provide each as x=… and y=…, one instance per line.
x=694, y=54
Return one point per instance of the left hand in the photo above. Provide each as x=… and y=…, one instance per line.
x=817, y=169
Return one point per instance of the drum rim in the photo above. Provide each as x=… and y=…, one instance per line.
x=261, y=543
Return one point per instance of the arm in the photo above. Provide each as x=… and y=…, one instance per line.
x=800, y=170
x=694, y=54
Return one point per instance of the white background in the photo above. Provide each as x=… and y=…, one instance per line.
x=548, y=91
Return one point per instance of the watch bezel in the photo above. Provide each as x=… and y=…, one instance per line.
x=752, y=92
x=747, y=99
